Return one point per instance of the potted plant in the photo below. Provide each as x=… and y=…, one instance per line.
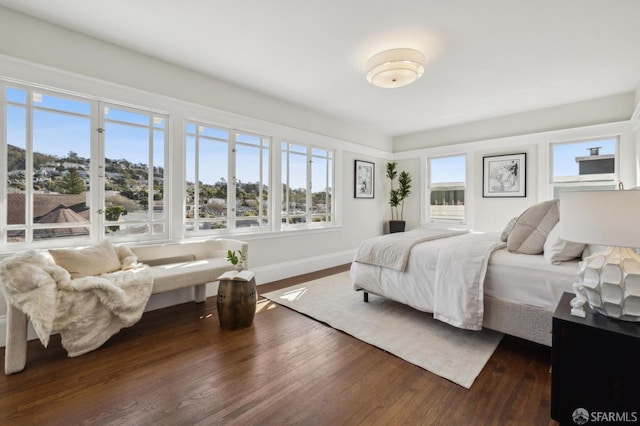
x=236, y=260
x=397, y=197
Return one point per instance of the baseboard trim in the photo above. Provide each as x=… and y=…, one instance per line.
x=280, y=271
x=264, y=275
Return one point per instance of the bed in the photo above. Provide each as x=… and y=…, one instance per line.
x=517, y=292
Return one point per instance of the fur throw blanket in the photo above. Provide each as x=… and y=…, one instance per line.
x=85, y=311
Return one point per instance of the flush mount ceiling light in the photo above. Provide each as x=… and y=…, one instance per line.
x=395, y=68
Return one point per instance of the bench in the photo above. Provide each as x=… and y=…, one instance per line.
x=173, y=266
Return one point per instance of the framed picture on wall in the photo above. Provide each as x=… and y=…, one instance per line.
x=504, y=176
x=364, y=179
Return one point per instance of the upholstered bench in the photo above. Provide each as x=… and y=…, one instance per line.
x=173, y=266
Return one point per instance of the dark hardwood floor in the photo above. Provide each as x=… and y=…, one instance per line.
x=177, y=367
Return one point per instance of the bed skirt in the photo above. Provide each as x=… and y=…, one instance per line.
x=526, y=322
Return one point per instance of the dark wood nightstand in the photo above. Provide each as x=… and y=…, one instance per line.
x=595, y=367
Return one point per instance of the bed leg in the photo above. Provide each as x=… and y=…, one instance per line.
x=366, y=296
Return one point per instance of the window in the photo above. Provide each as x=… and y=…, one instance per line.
x=134, y=143
x=584, y=165
x=68, y=178
x=48, y=147
x=446, y=188
x=224, y=168
x=307, y=182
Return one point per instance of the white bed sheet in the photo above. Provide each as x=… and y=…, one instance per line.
x=528, y=279
x=516, y=278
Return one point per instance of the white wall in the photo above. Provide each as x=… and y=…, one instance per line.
x=596, y=111
x=492, y=214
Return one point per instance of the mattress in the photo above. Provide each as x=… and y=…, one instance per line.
x=515, y=278
x=528, y=279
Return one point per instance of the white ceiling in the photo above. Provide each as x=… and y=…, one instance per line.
x=484, y=58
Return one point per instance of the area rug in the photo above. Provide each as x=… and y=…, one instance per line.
x=455, y=354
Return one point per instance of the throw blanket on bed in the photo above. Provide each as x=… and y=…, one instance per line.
x=392, y=250
x=85, y=311
x=459, y=280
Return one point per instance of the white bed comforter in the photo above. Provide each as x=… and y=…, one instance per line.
x=448, y=280
x=392, y=250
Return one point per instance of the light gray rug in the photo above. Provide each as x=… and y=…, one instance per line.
x=452, y=353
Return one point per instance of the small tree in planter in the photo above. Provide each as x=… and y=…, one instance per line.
x=397, y=197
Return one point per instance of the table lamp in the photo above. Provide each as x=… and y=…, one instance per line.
x=610, y=279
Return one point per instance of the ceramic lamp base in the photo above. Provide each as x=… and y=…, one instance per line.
x=610, y=282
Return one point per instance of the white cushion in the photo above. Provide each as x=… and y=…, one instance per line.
x=507, y=229
x=532, y=227
x=178, y=275
x=557, y=250
x=85, y=261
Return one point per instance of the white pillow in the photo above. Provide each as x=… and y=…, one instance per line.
x=557, y=250
x=85, y=261
x=532, y=227
x=507, y=229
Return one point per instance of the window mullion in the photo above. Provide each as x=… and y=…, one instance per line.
x=232, y=184
x=29, y=169
x=196, y=183
x=150, y=177
x=98, y=173
x=3, y=154
x=288, y=186
x=309, y=208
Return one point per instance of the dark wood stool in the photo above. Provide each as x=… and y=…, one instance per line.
x=236, y=303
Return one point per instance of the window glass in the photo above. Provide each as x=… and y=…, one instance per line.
x=321, y=186
x=580, y=159
x=447, y=180
x=588, y=165
x=16, y=95
x=59, y=103
x=249, y=184
x=213, y=178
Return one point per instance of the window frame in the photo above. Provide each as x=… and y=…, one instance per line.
x=284, y=182
x=96, y=192
x=233, y=143
x=164, y=221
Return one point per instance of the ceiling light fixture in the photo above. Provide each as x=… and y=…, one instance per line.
x=395, y=68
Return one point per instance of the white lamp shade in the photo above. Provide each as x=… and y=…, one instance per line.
x=395, y=68
x=610, y=218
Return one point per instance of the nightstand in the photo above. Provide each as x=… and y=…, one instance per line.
x=595, y=365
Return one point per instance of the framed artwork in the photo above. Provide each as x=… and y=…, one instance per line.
x=364, y=179
x=504, y=176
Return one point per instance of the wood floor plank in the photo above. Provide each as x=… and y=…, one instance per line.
x=177, y=367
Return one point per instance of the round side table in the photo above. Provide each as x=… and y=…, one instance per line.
x=236, y=303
